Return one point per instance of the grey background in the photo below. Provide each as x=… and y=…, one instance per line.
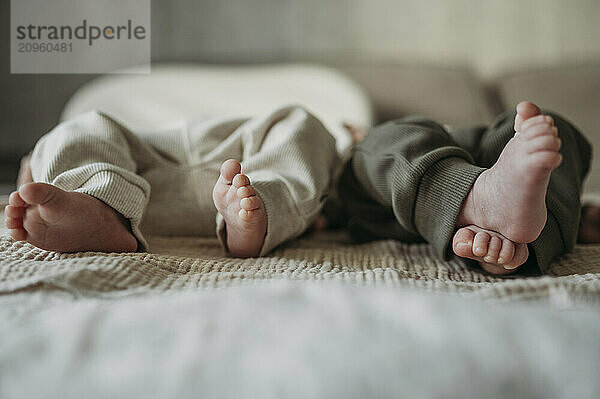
x=489, y=37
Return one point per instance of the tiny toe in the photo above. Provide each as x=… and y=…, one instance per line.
x=528, y=109
x=539, y=120
x=480, y=243
x=543, y=143
x=546, y=159
x=521, y=255
x=14, y=211
x=14, y=223
x=38, y=193
x=229, y=169
x=18, y=234
x=494, y=247
x=507, y=252
x=250, y=203
x=246, y=191
x=240, y=180
x=15, y=199
x=533, y=121
x=462, y=243
x=537, y=130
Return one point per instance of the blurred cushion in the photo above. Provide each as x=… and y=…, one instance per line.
x=175, y=91
x=451, y=96
x=573, y=92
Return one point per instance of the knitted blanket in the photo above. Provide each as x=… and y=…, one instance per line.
x=182, y=263
x=153, y=324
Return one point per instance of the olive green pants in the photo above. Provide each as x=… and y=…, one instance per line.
x=409, y=178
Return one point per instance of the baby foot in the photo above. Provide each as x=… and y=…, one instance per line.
x=509, y=198
x=64, y=221
x=495, y=253
x=243, y=211
x=525, y=110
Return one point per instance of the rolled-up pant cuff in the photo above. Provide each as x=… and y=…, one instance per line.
x=442, y=192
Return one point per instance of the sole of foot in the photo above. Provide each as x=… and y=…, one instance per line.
x=242, y=209
x=496, y=254
x=63, y=221
x=509, y=198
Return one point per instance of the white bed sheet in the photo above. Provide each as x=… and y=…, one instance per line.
x=294, y=340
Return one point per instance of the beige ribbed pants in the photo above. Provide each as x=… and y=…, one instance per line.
x=162, y=181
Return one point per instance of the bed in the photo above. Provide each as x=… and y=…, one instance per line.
x=318, y=317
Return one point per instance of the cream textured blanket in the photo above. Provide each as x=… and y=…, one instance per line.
x=191, y=263
x=153, y=325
